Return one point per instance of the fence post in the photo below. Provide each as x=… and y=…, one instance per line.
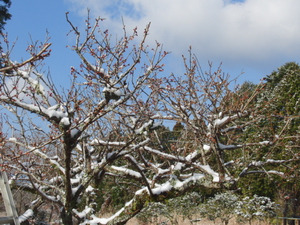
x=10, y=208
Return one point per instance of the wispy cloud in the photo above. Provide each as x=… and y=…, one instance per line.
x=257, y=33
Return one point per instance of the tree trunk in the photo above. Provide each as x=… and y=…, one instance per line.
x=66, y=216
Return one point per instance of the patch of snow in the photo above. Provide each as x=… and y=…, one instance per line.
x=89, y=189
x=256, y=163
x=127, y=171
x=75, y=181
x=191, y=156
x=156, y=125
x=209, y=126
x=54, y=113
x=101, y=142
x=65, y=121
x=178, y=184
x=34, y=202
x=138, y=192
x=25, y=216
x=119, y=92
x=266, y=143
x=162, y=171
x=144, y=127
x=54, y=107
x=55, y=179
x=214, y=174
x=224, y=147
x=74, y=132
x=220, y=122
x=230, y=128
x=116, y=91
x=195, y=177
x=276, y=172
x=12, y=139
x=96, y=220
x=163, y=188
x=275, y=161
x=229, y=163
x=84, y=213
x=178, y=166
x=75, y=189
x=164, y=155
x=206, y=147
x=55, y=163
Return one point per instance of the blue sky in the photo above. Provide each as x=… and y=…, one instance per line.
x=253, y=36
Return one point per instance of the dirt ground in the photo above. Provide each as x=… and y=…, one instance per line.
x=135, y=221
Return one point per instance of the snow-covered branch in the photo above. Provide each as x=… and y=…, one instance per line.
x=110, y=132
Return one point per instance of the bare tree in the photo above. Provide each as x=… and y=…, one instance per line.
x=227, y=133
x=63, y=144
x=51, y=134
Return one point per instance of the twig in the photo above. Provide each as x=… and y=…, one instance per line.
x=33, y=58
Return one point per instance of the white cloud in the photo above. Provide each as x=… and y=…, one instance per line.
x=250, y=33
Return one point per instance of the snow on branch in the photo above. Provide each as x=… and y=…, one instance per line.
x=110, y=125
x=219, y=123
x=40, y=56
x=228, y=147
x=37, y=151
x=165, y=155
x=261, y=164
x=126, y=171
x=25, y=216
x=168, y=189
x=49, y=114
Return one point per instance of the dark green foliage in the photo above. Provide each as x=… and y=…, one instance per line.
x=163, y=137
x=178, y=127
x=280, y=124
x=287, y=69
x=221, y=206
x=227, y=205
x=283, y=88
x=277, y=102
x=283, y=92
x=4, y=14
x=246, y=88
x=260, y=184
x=185, y=206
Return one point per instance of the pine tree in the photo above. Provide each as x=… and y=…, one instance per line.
x=4, y=14
x=283, y=88
x=281, y=124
